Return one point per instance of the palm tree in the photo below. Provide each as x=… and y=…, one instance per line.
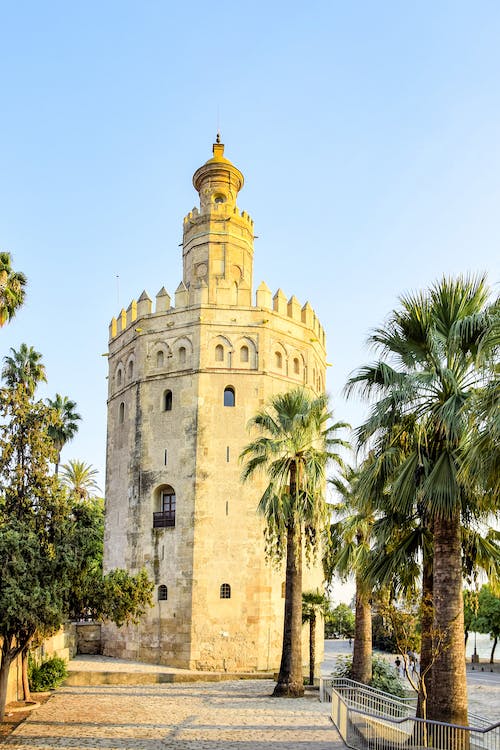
x=79, y=478
x=349, y=552
x=314, y=605
x=24, y=367
x=66, y=426
x=430, y=371
x=293, y=450
x=12, y=290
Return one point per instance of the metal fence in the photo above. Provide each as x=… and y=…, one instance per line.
x=368, y=719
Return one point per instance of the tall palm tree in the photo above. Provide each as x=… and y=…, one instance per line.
x=12, y=289
x=430, y=370
x=66, y=425
x=79, y=478
x=294, y=447
x=24, y=367
x=349, y=552
x=314, y=605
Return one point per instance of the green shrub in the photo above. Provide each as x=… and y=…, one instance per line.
x=47, y=675
x=384, y=676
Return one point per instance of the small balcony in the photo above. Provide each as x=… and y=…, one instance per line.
x=163, y=519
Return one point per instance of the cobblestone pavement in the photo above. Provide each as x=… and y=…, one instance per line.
x=234, y=715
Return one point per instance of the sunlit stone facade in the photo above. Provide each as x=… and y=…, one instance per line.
x=184, y=380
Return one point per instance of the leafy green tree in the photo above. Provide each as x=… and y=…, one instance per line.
x=86, y=537
x=295, y=445
x=12, y=289
x=431, y=370
x=34, y=551
x=79, y=478
x=488, y=616
x=25, y=368
x=66, y=425
x=314, y=605
x=117, y=596
x=42, y=557
x=340, y=620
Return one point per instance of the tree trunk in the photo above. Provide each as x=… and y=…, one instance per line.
x=495, y=641
x=26, y=684
x=447, y=698
x=362, y=649
x=8, y=655
x=426, y=615
x=290, y=681
x=312, y=646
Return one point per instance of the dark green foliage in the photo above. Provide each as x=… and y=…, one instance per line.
x=384, y=676
x=47, y=675
x=339, y=623
x=381, y=637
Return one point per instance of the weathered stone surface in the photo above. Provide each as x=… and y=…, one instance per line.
x=168, y=427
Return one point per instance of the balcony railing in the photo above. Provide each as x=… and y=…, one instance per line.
x=163, y=518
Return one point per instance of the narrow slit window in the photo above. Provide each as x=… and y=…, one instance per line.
x=166, y=457
x=244, y=354
x=182, y=355
x=227, y=454
x=121, y=413
x=219, y=353
x=167, y=401
x=278, y=359
x=130, y=370
x=160, y=359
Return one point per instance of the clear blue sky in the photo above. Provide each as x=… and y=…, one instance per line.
x=368, y=134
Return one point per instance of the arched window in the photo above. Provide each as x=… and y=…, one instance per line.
x=121, y=413
x=229, y=396
x=182, y=354
x=160, y=358
x=165, y=517
x=244, y=354
x=162, y=593
x=283, y=589
x=119, y=377
x=130, y=370
x=219, y=353
x=167, y=401
x=296, y=366
x=225, y=591
x=278, y=360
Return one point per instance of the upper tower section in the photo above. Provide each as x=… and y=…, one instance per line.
x=218, y=239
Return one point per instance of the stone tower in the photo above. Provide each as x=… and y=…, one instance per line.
x=184, y=380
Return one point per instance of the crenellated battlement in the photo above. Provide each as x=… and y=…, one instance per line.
x=278, y=305
x=216, y=210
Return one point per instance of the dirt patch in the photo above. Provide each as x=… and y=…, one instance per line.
x=14, y=714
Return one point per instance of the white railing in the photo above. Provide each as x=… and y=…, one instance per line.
x=364, y=723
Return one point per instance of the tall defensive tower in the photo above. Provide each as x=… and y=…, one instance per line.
x=183, y=382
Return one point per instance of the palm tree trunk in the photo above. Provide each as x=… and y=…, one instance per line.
x=362, y=649
x=426, y=615
x=290, y=681
x=448, y=695
x=312, y=646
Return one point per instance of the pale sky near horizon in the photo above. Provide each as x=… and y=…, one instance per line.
x=368, y=135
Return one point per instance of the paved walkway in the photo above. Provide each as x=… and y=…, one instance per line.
x=234, y=715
